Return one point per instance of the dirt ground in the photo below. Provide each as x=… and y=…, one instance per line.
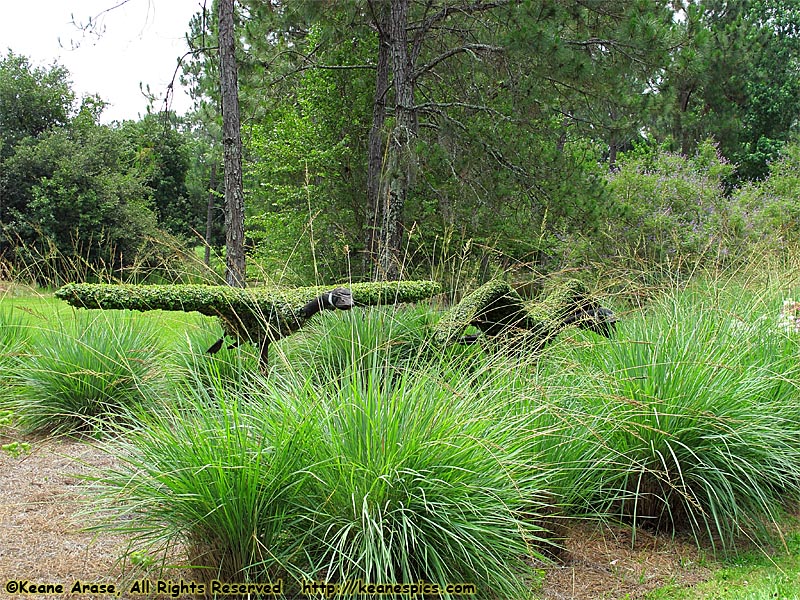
x=604, y=562
x=42, y=541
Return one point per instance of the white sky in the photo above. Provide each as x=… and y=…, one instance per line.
x=142, y=42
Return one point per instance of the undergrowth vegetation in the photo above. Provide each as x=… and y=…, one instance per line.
x=688, y=418
x=86, y=373
x=369, y=453
x=364, y=478
x=335, y=344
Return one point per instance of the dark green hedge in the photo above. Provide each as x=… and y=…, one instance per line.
x=246, y=313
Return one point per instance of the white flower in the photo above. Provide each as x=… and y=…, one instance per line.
x=789, y=316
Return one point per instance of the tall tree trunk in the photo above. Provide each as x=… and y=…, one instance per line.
x=400, y=163
x=232, y=149
x=375, y=144
x=212, y=188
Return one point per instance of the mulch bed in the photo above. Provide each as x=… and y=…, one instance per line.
x=604, y=561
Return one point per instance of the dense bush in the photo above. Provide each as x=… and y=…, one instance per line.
x=81, y=199
x=68, y=200
x=767, y=211
x=669, y=208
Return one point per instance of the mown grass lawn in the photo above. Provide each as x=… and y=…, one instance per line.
x=44, y=314
x=748, y=575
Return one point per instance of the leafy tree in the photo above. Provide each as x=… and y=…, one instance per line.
x=393, y=126
x=212, y=73
x=735, y=78
x=75, y=193
x=294, y=164
x=33, y=100
x=78, y=196
x=203, y=179
x=442, y=98
x=162, y=158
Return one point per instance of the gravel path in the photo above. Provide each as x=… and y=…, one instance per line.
x=41, y=536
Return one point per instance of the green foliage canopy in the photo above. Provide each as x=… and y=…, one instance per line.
x=78, y=197
x=32, y=100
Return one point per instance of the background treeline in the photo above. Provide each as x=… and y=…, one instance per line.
x=508, y=135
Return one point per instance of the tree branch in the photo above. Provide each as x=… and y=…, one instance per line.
x=466, y=9
x=437, y=107
x=468, y=48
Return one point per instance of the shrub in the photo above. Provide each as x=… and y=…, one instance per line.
x=767, y=211
x=668, y=209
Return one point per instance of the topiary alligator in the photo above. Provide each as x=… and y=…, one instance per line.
x=505, y=318
x=265, y=315
x=261, y=315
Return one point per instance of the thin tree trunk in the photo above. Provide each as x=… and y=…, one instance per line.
x=613, y=144
x=375, y=145
x=212, y=188
x=612, y=155
x=562, y=138
x=400, y=158
x=232, y=149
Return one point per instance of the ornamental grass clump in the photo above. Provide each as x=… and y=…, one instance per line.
x=87, y=374
x=420, y=480
x=220, y=478
x=335, y=342
x=14, y=338
x=692, y=418
x=230, y=367
x=353, y=479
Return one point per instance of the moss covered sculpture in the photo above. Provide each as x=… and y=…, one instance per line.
x=265, y=315
x=261, y=315
x=503, y=317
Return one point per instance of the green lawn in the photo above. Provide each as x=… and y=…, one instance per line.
x=43, y=313
x=751, y=575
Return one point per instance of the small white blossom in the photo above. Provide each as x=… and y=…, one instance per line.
x=789, y=317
